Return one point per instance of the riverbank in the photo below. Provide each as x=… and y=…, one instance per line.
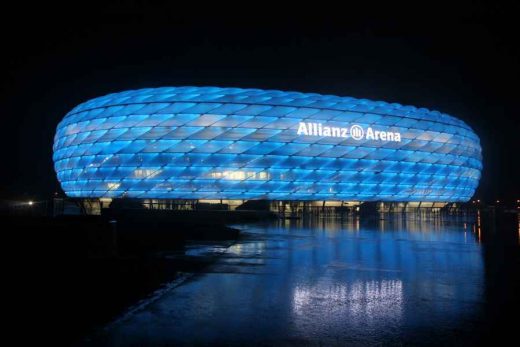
x=72, y=274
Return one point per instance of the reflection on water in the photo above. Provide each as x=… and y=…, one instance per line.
x=359, y=302
x=328, y=281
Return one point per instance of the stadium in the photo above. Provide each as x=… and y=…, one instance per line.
x=233, y=145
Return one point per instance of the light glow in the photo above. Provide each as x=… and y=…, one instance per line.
x=231, y=143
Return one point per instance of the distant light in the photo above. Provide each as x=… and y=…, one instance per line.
x=498, y=201
x=31, y=203
x=478, y=200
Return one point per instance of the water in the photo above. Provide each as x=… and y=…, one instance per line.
x=396, y=281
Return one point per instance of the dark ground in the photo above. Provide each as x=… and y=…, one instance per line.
x=501, y=242
x=66, y=276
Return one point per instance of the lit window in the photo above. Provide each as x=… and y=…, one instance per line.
x=240, y=175
x=146, y=173
x=112, y=186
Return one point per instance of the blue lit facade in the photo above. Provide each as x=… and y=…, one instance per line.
x=231, y=143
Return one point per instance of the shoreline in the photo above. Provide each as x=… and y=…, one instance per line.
x=72, y=274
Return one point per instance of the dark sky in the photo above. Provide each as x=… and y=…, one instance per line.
x=462, y=60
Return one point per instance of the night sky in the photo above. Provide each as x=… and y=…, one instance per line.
x=462, y=60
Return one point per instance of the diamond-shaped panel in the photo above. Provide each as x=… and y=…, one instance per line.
x=231, y=143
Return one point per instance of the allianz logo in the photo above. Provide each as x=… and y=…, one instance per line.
x=355, y=131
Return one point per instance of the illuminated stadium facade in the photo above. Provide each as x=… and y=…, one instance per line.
x=205, y=143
